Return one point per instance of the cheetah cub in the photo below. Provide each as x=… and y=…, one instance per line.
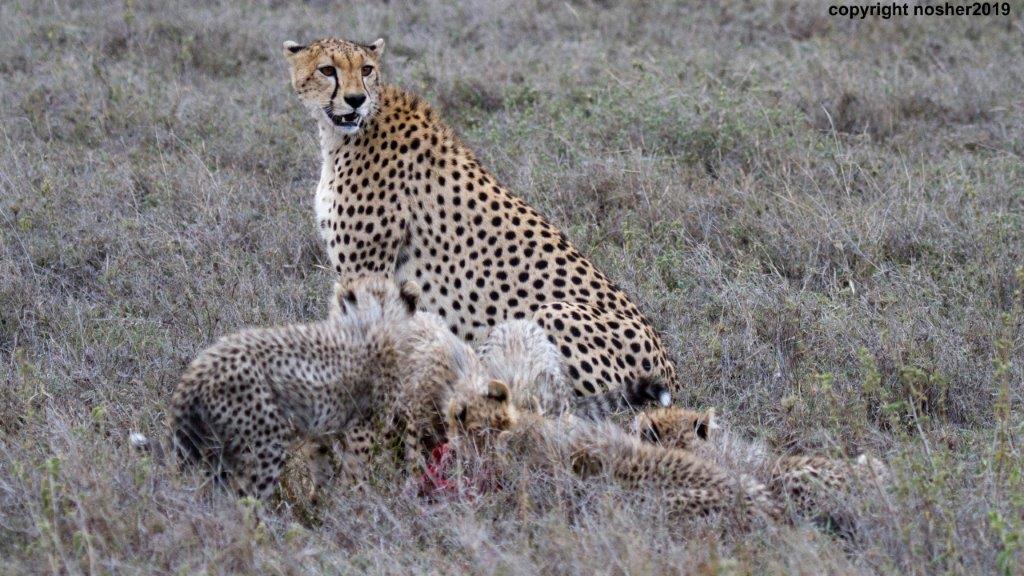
x=675, y=427
x=244, y=401
x=440, y=367
x=813, y=485
x=521, y=354
x=490, y=424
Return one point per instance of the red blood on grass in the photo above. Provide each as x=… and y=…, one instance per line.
x=435, y=480
x=439, y=479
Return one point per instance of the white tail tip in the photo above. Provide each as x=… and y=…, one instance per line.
x=138, y=440
x=665, y=399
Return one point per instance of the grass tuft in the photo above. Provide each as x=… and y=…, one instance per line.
x=822, y=216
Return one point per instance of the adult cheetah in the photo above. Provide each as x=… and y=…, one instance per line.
x=400, y=194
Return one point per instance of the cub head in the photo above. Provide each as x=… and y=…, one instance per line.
x=674, y=427
x=373, y=297
x=337, y=80
x=477, y=417
x=519, y=353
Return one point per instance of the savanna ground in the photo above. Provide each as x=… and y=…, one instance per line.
x=824, y=218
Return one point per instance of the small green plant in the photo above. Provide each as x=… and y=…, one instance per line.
x=1010, y=534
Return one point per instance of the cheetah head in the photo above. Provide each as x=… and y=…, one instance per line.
x=480, y=416
x=374, y=296
x=674, y=427
x=519, y=353
x=337, y=80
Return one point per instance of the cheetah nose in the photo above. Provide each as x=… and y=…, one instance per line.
x=355, y=100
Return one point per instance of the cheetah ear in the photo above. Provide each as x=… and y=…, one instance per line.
x=712, y=419
x=702, y=429
x=410, y=292
x=334, y=303
x=349, y=298
x=377, y=46
x=497, y=391
x=706, y=422
x=460, y=413
x=649, y=432
x=292, y=47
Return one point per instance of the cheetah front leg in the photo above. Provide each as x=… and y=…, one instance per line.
x=415, y=458
x=604, y=350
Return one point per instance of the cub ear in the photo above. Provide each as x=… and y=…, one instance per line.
x=705, y=423
x=458, y=412
x=292, y=47
x=647, y=429
x=344, y=299
x=497, y=391
x=377, y=46
x=410, y=292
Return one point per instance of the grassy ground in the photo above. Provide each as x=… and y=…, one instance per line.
x=824, y=218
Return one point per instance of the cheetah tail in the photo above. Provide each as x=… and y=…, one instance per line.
x=142, y=443
x=646, y=391
x=630, y=397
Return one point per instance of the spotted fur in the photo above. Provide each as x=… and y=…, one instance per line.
x=520, y=353
x=684, y=482
x=246, y=400
x=400, y=194
x=630, y=397
x=440, y=367
x=812, y=485
x=674, y=427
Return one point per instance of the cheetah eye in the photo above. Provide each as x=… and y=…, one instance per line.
x=367, y=70
x=326, y=70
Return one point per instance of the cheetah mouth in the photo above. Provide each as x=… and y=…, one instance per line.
x=348, y=121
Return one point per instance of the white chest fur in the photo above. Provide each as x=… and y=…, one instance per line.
x=325, y=202
x=326, y=193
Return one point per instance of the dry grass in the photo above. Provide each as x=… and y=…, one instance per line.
x=825, y=218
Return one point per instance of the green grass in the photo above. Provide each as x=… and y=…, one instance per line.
x=824, y=218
